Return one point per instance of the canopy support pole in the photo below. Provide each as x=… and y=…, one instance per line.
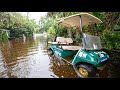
x=56, y=32
x=81, y=33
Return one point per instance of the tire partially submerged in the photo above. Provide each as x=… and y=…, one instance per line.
x=85, y=70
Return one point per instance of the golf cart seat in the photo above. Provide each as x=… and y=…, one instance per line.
x=59, y=41
x=65, y=44
x=73, y=48
x=68, y=45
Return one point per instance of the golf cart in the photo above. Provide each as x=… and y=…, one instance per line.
x=88, y=58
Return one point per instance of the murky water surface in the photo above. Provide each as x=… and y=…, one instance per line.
x=28, y=58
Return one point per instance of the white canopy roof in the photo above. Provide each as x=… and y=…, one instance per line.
x=74, y=20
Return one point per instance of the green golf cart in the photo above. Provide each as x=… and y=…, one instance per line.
x=87, y=58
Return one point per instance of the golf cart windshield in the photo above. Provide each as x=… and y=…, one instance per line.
x=91, y=42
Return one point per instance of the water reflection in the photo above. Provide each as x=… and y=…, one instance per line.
x=28, y=58
x=62, y=70
x=24, y=57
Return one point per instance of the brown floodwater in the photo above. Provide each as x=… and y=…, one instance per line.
x=28, y=58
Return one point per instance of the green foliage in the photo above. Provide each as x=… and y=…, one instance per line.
x=93, y=30
x=111, y=22
x=78, y=39
x=45, y=23
x=51, y=32
x=111, y=39
x=62, y=32
x=117, y=27
x=17, y=24
x=3, y=36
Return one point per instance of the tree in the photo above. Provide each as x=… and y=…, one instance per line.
x=18, y=24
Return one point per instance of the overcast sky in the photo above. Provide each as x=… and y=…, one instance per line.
x=35, y=15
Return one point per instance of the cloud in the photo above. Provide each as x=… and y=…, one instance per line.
x=36, y=15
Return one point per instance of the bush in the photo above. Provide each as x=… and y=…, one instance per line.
x=62, y=32
x=111, y=39
x=3, y=36
x=51, y=33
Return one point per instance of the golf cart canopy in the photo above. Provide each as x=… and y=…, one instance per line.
x=74, y=20
x=90, y=42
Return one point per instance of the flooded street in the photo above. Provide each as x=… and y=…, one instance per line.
x=28, y=58
x=60, y=45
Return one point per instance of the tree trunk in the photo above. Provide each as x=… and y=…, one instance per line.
x=111, y=19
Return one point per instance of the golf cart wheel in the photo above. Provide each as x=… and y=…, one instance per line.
x=85, y=70
x=50, y=52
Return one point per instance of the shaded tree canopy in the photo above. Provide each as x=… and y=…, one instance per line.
x=17, y=23
x=106, y=30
